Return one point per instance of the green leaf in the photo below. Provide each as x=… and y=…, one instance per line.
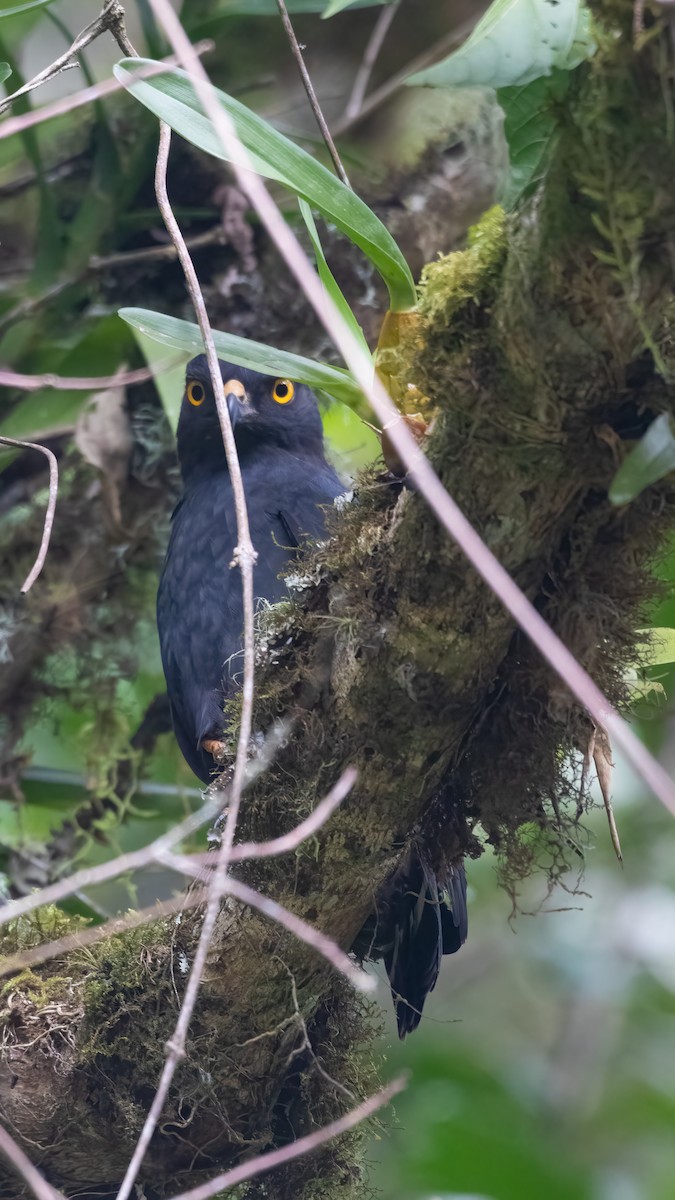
x=270, y=8
x=328, y=279
x=351, y=444
x=5, y=71
x=661, y=647
x=515, y=42
x=530, y=127
x=183, y=335
x=171, y=97
x=649, y=461
x=11, y=10
x=169, y=383
x=338, y=6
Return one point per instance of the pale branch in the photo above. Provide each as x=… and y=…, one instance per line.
x=59, y=947
x=133, y=860
x=136, y=860
x=306, y=829
x=24, y=1167
x=304, y=1145
x=300, y=929
x=83, y=383
x=58, y=108
x=371, y=53
x=245, y=557
x=51, y=505
x=391, y=86
x=192, y=864
x=124, y=258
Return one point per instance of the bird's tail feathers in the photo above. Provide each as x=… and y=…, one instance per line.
x=424, y=916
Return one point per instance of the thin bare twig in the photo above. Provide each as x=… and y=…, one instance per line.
x=111, y=20
x=133, y=860
x=66, y=104
x=123, y=258
x=306, y=1044
x=306, y=829
x=51, y=506
x=189, y=865
x=115, y=22
x=420, y=470
x=306, y=933
x=30, y=303
x=397, y=81
x=244, y=553
x=84, y=383
x=244, y=557
x=370, y=55
x=221, y=884
x=24, y=1167
x=304, y=1145
x=311, y=94
x=283, y=916
x=87, y=937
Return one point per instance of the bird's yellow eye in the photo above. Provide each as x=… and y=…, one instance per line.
x=283, y=391
x=196, y=393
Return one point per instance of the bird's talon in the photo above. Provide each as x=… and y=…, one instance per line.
x=217, y=749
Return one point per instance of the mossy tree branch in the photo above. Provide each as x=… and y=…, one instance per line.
x=543, y=349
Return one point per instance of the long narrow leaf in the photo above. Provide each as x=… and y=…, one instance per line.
x=328, y=279
x=270, y=8
x=650, y=460
x=515, y=42
x=338, y=6
x=183, y=335
x=172, y=98
x=12, y=10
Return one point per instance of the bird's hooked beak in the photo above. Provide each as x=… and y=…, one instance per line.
x=236, y=398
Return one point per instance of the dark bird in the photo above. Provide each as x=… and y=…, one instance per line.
x=288, y=485
x=279, y=436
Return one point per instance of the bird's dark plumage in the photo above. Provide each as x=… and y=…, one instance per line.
x=428, y=920
x=288, y=484
x=287, y=481
x=420, y=916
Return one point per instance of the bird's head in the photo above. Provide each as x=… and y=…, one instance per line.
x=265, y=411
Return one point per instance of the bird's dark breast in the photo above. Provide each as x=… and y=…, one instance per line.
x=197, y=610
x=199, y=603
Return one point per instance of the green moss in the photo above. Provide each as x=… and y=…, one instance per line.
x=120, y=965
x=46, y=924
x=39, y=989
x=465, y=276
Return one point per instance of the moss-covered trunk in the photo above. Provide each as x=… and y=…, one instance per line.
x=544, y=348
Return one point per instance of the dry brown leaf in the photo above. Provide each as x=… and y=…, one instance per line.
x=104, y=438
x=600, y=751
